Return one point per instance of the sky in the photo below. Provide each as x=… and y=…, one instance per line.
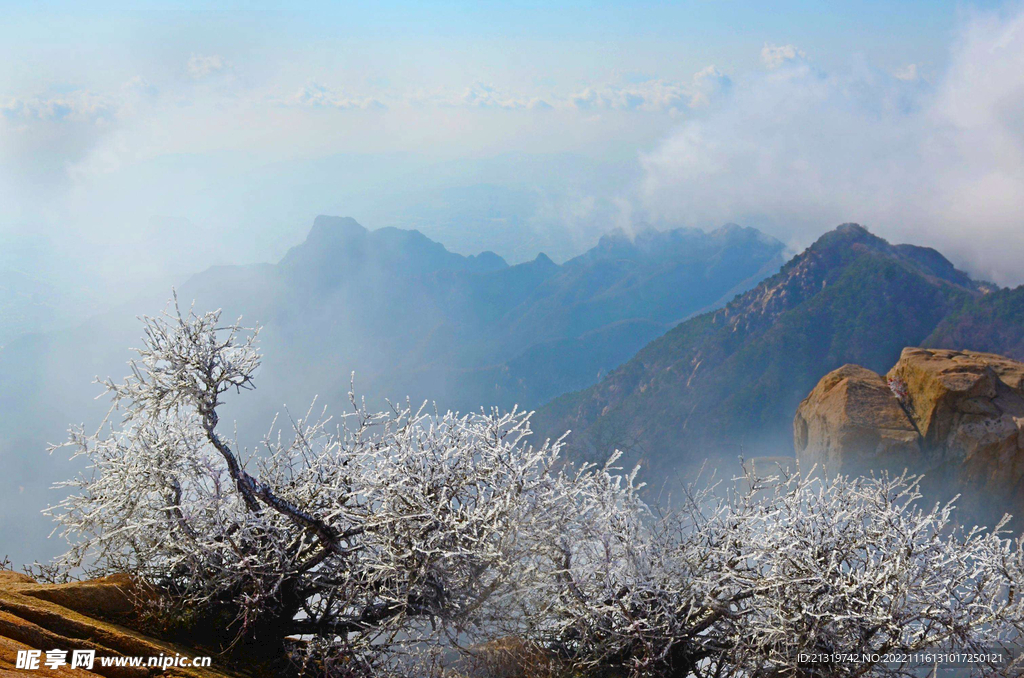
x=142, y=143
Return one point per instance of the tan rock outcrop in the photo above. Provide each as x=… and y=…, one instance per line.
x=958, y=418
x=850, y=422
x=944, y=386
x=80, y=616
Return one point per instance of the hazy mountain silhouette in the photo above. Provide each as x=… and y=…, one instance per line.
x=30, y=304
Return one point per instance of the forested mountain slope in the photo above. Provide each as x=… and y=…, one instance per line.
x=726, y=383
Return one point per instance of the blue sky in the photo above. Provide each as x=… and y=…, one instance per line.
x=239, y=122
x=516, y=39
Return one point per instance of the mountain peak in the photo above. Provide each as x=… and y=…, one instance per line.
x=338, y=248
x=619, y=236
x=837, y=244
x=729, y=228
x=333, y=228
x=735, y=233
x=646, y=242
x=849, y=234
x=328, y=237
x=850, y=228
x=485, y=261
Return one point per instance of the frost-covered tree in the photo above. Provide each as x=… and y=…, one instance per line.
x=362, y=535
x=365, y=543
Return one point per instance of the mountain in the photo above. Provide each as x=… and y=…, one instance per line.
x=412, y=319
x=598, y=309
x=726, y=383
x=409, y=317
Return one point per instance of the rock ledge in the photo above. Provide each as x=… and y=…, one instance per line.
x=79, y=616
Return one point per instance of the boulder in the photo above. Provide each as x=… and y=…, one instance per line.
x=943, y=385
x=970, y=410
x=851, y=422
x=955, y=416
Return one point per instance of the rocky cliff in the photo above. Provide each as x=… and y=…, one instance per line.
x=956, y=416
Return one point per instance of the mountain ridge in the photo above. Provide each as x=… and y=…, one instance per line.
x=725, y=384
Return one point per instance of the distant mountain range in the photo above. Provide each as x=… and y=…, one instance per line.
x=413, y=319
x=727, y=383
x=406, y=315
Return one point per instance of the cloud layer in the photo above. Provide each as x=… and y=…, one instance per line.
x=799, y=149
x=211, y=104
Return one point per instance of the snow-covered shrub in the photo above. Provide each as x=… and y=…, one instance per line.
x=791, y=577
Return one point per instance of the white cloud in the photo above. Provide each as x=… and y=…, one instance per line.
x=707, y=85
x=649, y=96
x=654, y=95
x=801, y=150
x=46, y=137
x=74, y=106
x=907, y=73
x=321, y=96
x=773, y=56
x=483, y=95
x=200, y=66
